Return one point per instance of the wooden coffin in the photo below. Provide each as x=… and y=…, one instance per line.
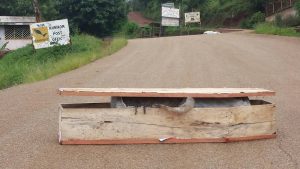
x=98, y=123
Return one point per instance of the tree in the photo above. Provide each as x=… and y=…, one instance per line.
x=212, y=11
x=98, y=17
x=25, y=8
x=37, y=11
x=16, y=8
x=49, y=9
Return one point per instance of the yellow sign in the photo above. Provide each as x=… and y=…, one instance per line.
x=40, y=34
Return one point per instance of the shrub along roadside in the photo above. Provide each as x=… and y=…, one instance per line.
x=272, y=29
x=255, y=19
x=177, y=31
x=129, y=30
x=25, y=66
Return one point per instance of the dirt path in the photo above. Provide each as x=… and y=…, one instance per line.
x=29, y=117
x=138, y=18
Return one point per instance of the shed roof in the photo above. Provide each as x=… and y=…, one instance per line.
x=17, y=20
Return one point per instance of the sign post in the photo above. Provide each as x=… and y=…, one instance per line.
x=169, y=5
x=192, y=17
x=169, y=15
x=49, y=34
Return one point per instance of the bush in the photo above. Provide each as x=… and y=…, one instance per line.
x=145, y=31
x=131, y=28
x=244, y=24
x=272, y=29
x=279, y=21
x=177, y=31
x=256, y=18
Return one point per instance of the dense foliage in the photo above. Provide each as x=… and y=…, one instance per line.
x=213, y=12
x=103, y=17
x=97, y=17
x=16, y=7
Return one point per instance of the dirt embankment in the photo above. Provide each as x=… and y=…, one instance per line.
x=138, y=18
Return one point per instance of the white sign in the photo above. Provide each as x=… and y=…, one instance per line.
x=48, y=34
x=170, y=22
x=169, y=5
x=192, y=17
x=169, y=12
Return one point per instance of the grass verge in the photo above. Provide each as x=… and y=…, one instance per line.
x=271, y=29
x=25, y=65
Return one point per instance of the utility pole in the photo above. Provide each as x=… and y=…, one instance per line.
x=37, y=11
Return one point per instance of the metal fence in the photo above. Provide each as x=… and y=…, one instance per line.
x=14, y=32
x=275, y=6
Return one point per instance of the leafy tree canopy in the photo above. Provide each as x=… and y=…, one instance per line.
x=97, y=17
x=16, y=7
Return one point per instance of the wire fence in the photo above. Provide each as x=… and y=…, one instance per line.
x=17, y=32
x=275, y=6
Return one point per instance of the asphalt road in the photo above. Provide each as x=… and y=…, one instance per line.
x=29, y=113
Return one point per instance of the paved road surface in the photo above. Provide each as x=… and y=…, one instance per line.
x=29, y=117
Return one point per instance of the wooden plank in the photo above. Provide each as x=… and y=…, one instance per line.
x=168, y=141
x=97, y=125
x=167, y=92
x=252, y=129
x=252, y=114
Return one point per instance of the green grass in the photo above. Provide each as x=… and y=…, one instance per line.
x=25, y=65
x=271, y=29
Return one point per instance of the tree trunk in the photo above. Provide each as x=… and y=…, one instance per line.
x=37, y=10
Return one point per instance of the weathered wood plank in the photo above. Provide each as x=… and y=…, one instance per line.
x=252, y=129
x=252, y=114
x=167, y=92
x=200, y=124
x=168, y=141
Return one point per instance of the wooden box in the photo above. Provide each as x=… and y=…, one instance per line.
x=98, y=123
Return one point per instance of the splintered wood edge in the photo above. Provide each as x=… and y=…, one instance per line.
x=167, y=141
x=185, y=92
